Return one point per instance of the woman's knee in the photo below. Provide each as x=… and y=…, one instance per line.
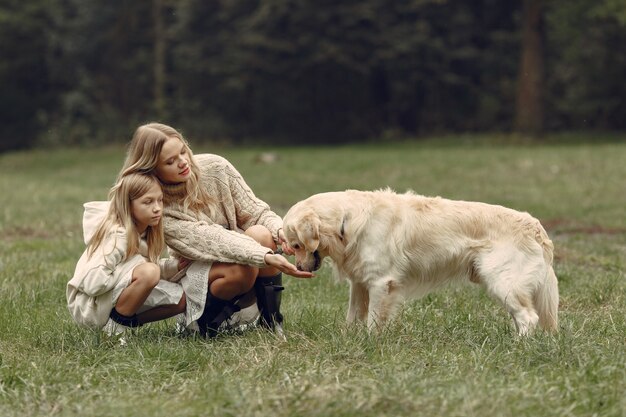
x=262, y=235
x=147, y=274
x=241, y=275
x=246, y=276
x=229, y=280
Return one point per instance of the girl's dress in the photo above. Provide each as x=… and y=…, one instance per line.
x=99, y=280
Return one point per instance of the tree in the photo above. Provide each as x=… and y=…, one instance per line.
x=78, y=71
x=25, y=90
x=529, y=105
x=586, y=64
x=160, y=44
x=339, y=71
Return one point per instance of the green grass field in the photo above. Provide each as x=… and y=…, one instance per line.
x=453, y=353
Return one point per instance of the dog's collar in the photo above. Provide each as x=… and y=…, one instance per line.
x=343, y=229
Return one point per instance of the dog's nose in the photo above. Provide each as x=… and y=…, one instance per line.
x=299, y=267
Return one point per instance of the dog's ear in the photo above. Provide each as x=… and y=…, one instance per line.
x=308, y=231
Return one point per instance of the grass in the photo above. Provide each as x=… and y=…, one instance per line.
x=452, y=353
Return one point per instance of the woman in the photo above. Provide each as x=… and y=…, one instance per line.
x=212, y=217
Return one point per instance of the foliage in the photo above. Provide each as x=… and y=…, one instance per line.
x=342, y=71
x=587, y=63
x=88, y=71
x=24, y=76
x=102, y=51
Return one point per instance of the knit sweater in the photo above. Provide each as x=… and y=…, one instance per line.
x=217, y=237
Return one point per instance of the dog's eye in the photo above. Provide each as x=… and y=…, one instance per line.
x=296, y=246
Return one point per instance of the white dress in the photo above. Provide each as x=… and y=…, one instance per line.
x=195, y=284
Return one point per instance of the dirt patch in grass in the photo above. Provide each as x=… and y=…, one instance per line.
x=22, y=232
x=571, y=227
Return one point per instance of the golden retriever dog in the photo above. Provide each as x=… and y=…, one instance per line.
x=393, y=246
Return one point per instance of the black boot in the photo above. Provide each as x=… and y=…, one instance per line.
x=216, y=311
x=128, y=321
x=268, y=296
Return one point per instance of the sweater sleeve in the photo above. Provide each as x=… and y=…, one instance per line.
x=250, y=210
x=199, y=240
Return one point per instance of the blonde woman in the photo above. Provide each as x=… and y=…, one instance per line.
x=117, y=282
x=213, y=218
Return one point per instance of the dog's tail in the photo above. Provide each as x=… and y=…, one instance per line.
x=546, y=298
x=547, y=301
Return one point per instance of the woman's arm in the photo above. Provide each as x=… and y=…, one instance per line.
x=172, y=266
x=250, y=210
x=283, y=265
x=199, y=240
x=168, y=267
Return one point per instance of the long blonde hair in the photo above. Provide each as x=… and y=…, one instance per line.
x=143, y=156
x=130, y=187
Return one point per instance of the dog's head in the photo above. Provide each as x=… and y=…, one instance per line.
x=302, y=231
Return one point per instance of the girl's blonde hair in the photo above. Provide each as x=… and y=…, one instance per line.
x=130, y=187
x=143, y=156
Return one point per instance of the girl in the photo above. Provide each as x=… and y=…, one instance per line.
x=212, y=217
x=117, y=282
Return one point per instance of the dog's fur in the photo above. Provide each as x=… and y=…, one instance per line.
x=391, y=246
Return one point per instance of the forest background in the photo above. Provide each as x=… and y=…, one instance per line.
x=76, y=72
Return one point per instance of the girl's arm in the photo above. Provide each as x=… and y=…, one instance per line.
x=97, y=272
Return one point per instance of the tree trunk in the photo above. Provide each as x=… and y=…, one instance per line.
x=159, y=59
x=529, y=106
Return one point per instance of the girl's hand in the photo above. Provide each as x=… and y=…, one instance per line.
x=183, y=262
x=287, y=250
x=283, y=265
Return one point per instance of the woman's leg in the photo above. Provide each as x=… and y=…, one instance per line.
x=226, y=282
x=269, y=284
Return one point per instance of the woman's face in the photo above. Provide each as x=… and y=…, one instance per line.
x=173, y=166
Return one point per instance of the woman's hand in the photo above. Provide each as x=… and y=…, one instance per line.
x=287, y=250
x=283, y=265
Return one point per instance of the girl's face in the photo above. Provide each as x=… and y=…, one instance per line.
x=146, y=210
x=173, y=166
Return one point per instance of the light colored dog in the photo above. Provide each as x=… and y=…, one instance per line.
x=392, y=246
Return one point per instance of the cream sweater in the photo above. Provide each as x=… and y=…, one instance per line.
x=218, y=238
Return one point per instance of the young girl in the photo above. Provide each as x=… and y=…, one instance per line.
x=213, y=218
x=117, y=282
